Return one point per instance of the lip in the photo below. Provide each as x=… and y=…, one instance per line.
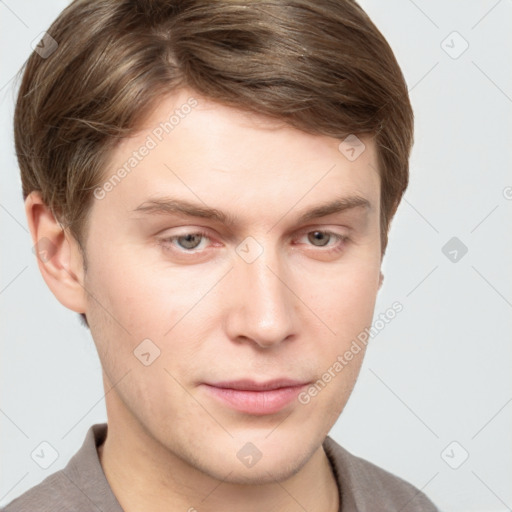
x=251, y=397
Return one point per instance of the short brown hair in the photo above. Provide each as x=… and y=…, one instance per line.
x=319, y=65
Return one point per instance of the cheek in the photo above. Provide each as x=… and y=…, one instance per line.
x=130, y=313
x=134, y=301
x=142, y=298
x=345, y=300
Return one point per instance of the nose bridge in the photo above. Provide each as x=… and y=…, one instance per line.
x=263, y=310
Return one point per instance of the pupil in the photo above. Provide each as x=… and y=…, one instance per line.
x=188, y=239
x=319, y=236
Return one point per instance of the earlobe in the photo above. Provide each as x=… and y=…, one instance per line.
x=58, y=254
x=381, y=278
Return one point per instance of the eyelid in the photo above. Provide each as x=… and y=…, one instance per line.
x=342, y=232
x=327, y=228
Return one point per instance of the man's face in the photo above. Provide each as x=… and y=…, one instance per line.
x=260, y=295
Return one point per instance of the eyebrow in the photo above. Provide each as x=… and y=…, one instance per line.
x=174, y=206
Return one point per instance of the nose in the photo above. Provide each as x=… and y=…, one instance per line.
x=262, y=306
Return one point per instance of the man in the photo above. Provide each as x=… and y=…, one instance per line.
x=210, y=186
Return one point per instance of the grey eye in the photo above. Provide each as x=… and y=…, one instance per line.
x=319, y=236
x=191, y=240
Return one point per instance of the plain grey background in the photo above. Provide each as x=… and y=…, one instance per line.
x=433, y=403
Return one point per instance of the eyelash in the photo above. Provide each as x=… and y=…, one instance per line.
x=341, y=239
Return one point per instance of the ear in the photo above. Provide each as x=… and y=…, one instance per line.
x=58, y=254
x=381, y=278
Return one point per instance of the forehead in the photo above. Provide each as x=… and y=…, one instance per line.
x=200, y=150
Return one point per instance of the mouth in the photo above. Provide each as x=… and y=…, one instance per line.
x=255, y=398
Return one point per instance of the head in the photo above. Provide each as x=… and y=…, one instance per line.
x=253, y=115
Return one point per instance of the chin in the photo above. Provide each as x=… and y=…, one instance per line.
x=257, y=462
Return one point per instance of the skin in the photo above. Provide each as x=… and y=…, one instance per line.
x=171, y=445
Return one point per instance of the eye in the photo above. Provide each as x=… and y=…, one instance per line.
x=186, y=242
x=322, y=238
x=194, y=242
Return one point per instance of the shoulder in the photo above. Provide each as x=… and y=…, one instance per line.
x=79, y=487
x=367, y=487
x=54, y=494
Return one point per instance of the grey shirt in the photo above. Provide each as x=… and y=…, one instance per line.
x=82, y=486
